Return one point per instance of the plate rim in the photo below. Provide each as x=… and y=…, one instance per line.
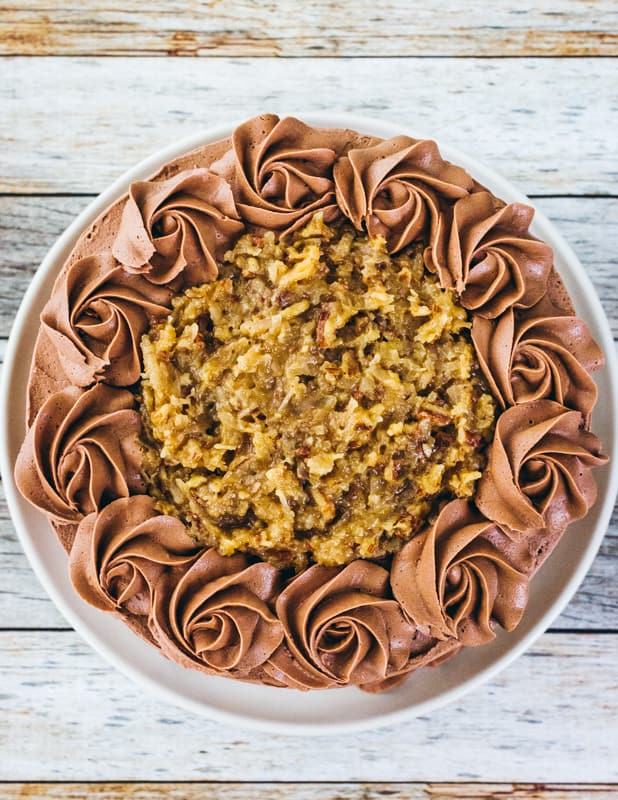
x=50, y=263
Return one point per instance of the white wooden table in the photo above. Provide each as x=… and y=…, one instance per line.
x=86, y=90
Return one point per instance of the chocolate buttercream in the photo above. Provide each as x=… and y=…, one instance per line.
x=341, y=627
x=542, y=357
x=95, y=319
x=427, y=652
x=395, y=189
x=281, y=172
x=120, y=552
x=539, y=470
x=365, y=624
x=456, y=577
x=483, y=249
x=183, y=224
x=81, y=451
x=216, y=616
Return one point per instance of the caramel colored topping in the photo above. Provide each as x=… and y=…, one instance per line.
x=316, y=403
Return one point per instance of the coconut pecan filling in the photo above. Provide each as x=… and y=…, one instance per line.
x=315, y=403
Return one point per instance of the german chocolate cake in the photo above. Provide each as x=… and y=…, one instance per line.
x=309, y=408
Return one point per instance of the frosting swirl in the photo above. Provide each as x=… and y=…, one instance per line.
x=180, y=225
x=280, y=172
x=427, y=652
x=484, y=251
x=119, y=554
x=81, y=452
x=456, y=577
x=537, y=358
x=216, y=617
x=341, y=627
x=96, y=317
x=451, y=584
x=395, y=188
x=539, y=470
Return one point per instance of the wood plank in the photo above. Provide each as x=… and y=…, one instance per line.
x=28, y=228
x=23, y=601
x=30, y=225
x=25, y=605
x=292, y=29
x=305, y=791
x=550, y=717
x=75, y=124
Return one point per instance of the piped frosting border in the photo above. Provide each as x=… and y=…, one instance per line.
x=361, y=624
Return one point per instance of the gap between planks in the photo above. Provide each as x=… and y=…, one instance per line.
x=30, y=223
x=69, y=716
x=197, y=790
x=556, y=699
x=237, y=28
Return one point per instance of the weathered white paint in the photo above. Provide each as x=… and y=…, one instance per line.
x=66, y=715
x=545, y=123
x=319, y=28
x=73, y=124
x=28, y=226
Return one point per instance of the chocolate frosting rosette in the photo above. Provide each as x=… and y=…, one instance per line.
x=396, y=188
x=539, y=473
x=181, y=225
x=484, y=250
x=545, y=357
x=341, y=627
x=96, y=318
x=216, y=616
x=458, y=577
x=280, y=172
x=447, y=584
x=81, y=451
x=120, y=553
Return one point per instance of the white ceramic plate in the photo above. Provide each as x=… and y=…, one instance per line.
x=288, y=711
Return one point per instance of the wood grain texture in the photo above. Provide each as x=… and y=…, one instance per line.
x=551, y=716
x=23, y=601
x=545, y=123
x=320, y=28
x=25, y=605
x=305, y=791
x=72, y=122
x=30, y=225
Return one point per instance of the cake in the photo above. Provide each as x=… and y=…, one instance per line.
x=309, y=408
